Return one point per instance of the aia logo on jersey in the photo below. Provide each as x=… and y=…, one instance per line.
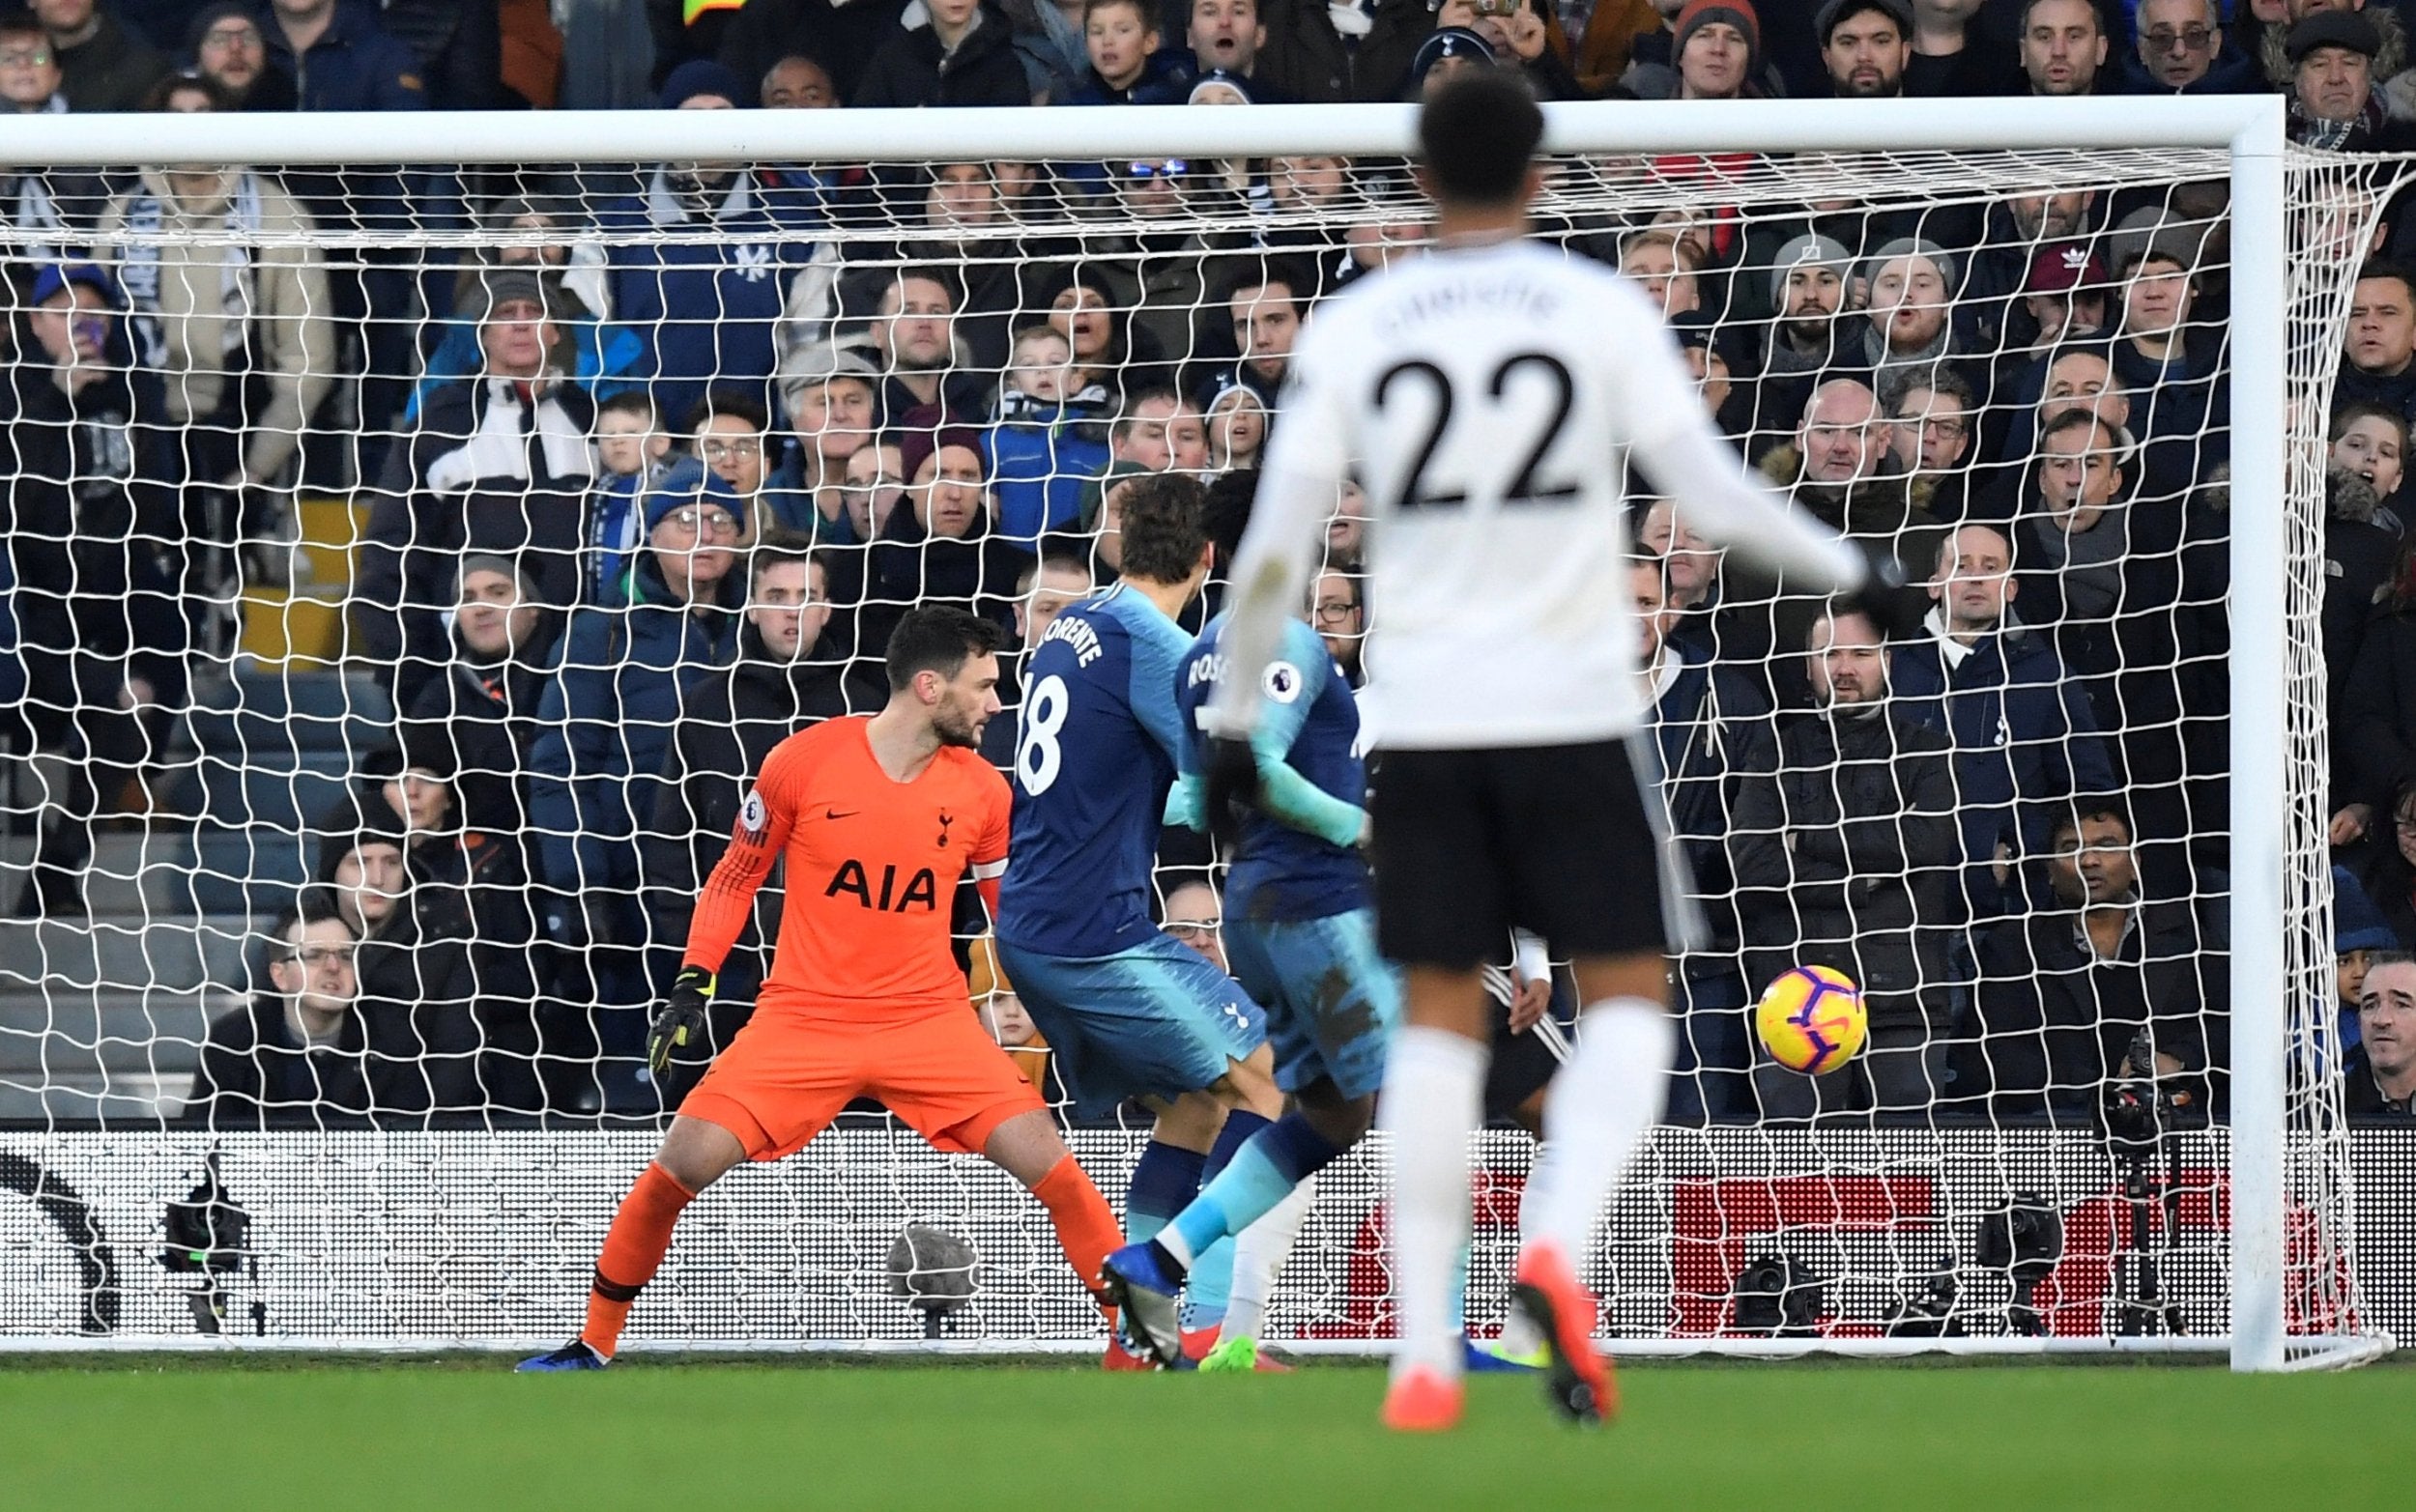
x=922, y=888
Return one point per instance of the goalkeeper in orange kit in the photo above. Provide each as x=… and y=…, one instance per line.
x=879, y=818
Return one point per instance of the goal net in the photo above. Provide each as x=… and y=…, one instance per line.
x=410, y=564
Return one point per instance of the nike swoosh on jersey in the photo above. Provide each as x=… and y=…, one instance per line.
x=834, y=813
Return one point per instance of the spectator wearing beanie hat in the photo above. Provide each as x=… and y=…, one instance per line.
x=1716, y=45
x=1808, y=336
x=605, y=725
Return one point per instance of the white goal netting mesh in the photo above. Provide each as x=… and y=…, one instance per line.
x=436, y=554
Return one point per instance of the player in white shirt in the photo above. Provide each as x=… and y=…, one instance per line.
x=1490, y=395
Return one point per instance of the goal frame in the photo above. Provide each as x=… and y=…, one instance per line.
x=2249, y=130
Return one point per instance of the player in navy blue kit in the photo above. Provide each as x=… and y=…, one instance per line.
x=1129, y=1010
x=1300, y=934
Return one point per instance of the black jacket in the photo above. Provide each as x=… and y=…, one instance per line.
x=2055, y=1024
x=844, y=37
x=95, y=519
x=910, y=68
x=908, y=564
x=476, y=477
x=1846, y=856
x=479, y=723
x=255, y=1073
x=448, y=991
x=2364, y=1102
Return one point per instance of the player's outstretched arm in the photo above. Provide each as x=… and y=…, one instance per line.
x=756, y=842
x=1298, y=486
x=1284, y=795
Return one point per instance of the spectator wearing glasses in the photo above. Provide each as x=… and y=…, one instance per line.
x=1194, y=915
x=2179, y=49
x=296, y=1056
x=730, y=434
x=621, y=688
x=229, y=48
x=51, y=208
x=1934, y=443
x=1337, y=610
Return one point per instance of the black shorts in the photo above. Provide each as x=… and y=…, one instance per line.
x=1550, y=838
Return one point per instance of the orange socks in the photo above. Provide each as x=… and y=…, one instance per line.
x=634, y=1247
x=1086, y=1228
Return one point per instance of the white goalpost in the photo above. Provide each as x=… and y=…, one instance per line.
x=473, y=1225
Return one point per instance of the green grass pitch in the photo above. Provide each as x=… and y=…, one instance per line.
x=665, y=1436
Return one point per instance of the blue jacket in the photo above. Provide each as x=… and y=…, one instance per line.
x=2023, y=739
x=621, y=681
x=355, y=65
x=1038, y=465
x=705, y=312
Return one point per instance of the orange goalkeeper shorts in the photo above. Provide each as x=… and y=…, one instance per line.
x=787, y=1074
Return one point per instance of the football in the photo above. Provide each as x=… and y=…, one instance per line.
x=1811, y=1019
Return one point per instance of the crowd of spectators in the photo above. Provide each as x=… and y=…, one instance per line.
x=650, y=469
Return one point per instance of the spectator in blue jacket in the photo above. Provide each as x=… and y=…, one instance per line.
x=2025, y=739
x=710, y=307
x=1044, y=443
x=620, y=687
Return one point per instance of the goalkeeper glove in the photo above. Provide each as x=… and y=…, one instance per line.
x=680, y=1021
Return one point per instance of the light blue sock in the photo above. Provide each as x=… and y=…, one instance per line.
x=1212, y=1271
x=1276, y=1160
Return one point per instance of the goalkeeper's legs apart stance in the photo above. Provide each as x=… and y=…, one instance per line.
x=696, y=1153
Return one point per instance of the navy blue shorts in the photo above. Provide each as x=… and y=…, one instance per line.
x=1156, y=1019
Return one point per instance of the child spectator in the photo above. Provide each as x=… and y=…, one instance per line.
x=1045, y=441
x=633, y=451
x=1127, y=65
x=1237, y=427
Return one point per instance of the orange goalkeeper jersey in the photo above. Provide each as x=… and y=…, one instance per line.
x=872, y=868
